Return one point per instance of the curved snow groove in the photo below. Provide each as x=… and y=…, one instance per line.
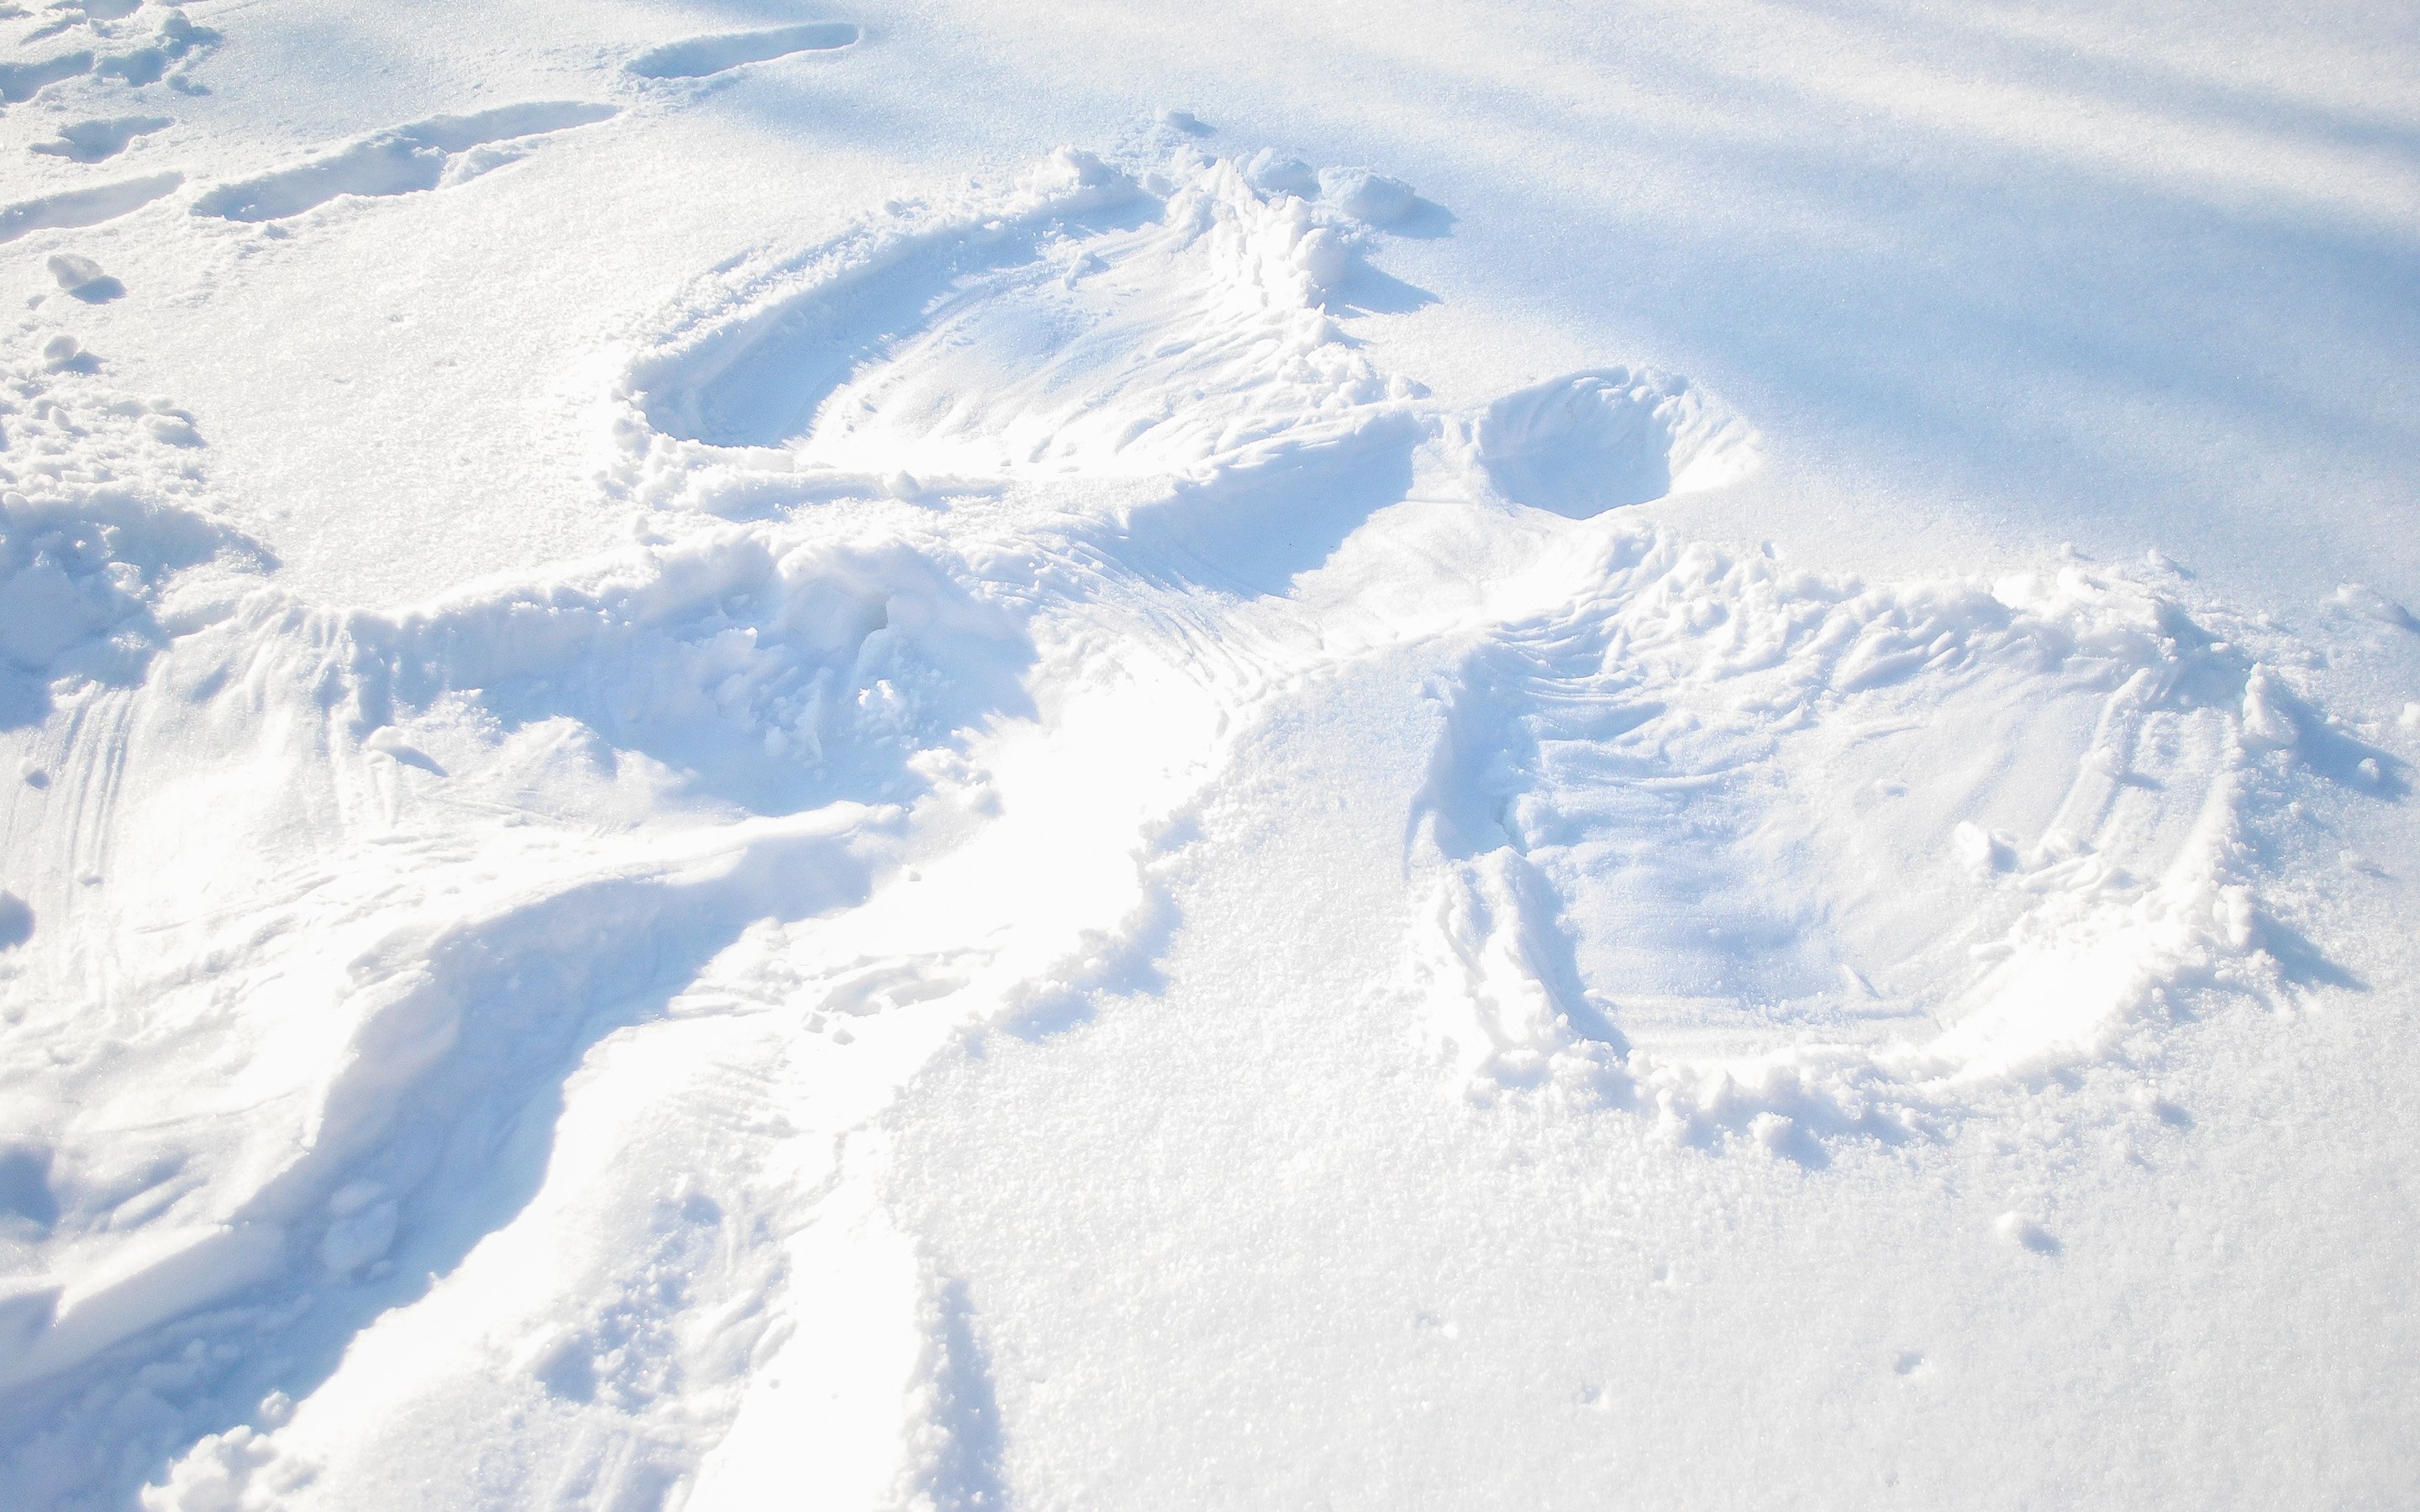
x=405, y=160
x=1049, y=333
x=767, y=344
x=697, y=57
x=1195, y=342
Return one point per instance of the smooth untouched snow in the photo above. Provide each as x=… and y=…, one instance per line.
x=1158, y=870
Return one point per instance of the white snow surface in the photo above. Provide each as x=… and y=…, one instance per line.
x=947, y=756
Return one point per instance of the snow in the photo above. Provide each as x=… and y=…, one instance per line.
x=957, y=756
x=697, y=57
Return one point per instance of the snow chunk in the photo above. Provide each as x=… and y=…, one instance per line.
x=1367, y=197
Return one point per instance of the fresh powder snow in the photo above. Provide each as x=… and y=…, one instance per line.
x=964, y=756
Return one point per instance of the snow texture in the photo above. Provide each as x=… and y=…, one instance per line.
x=1144, y=863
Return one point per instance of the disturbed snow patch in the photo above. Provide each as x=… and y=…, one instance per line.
x=535, y=816
x=1761, y=848
x=104, y=534
x=501, y=989
x=402, y=159
x=1087, y=324
x=367, y=884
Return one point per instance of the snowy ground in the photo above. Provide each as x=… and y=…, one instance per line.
x=975, y=756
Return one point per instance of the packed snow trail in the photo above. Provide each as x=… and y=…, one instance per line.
x=473, y=1024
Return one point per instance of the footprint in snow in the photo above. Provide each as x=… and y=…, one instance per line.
x=178, y=42
x=21, y=82
x=83, y=207
x=93, y=141
x=73, y=13
x=697, y=58
x=402, y=159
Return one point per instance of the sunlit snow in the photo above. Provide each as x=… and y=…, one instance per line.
x=970, y=757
